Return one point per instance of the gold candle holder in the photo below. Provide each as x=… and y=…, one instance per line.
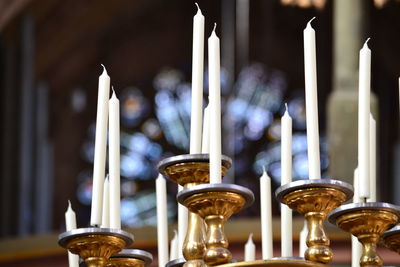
x=315, y=199
x=190, y=170
x=130, y=258
x=215, y=203
x=95, y=245
x=391, y=239
x=367, y=222
x=276, y=262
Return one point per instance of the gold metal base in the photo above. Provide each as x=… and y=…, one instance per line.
x=130, y=258
x=276, y=262
x=391, y=239
x=366, y=221
x=190, y=170
x=314, y=199
x=95, y=245
x=215, y=203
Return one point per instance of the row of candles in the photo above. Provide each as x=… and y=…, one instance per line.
x=365, y=187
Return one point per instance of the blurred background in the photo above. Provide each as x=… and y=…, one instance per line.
x=50, y=56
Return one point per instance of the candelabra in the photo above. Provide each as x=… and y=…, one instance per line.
x=211, y=205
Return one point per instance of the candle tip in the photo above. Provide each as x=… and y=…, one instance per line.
x=113, y=95
x=198, y=8
x=215, y=26
x=251, y=237
x=309, y=22
x=264, y=170
x=69, y=204
x=107, y=177
x=286, y=106
x=104, y=69
x=366, y=42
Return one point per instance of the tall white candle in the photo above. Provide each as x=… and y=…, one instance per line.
x=105, y=222
x=250, y=249
x=356, y=247
x=215, y=107
x=266, y=216
x=372, y=159
x=363, y=120
x=174, y=250
x=286, y=148
x=303, y=239
x=100, y=148
x=310, y=75
x=286, y=231
x=162, y=221
x=197, y=82
x=183, y=216
x=70, y=223
x=205, y=144
x=114, y=163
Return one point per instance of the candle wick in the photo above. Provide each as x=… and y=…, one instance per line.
x=215, y=26
x=309, y=22
x=264, y=169
x=69, y=204
x=198, y=8
x=366, y=42
x=104, y=69
x=112, y=88
x=251, y=236
x=287, y=109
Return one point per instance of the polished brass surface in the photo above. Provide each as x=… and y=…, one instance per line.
x=275, y=262
x=215, y=208
x=314, y=203
x=391, y=239
x=367, y=225
x=125, y=262
x=95, y=249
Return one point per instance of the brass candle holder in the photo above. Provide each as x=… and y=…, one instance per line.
x=315, y=199
x=215, y=203
x=176, y=263
x=368, y=222
x=130, y=258
x=95, y=245
x=391, y=239
x=276, y=262
x=190, y=170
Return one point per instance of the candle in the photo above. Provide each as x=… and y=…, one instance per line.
x=215, y=107
x=197, y=82
x=286, y=232
x=100, y=148
x=174, y=250
x=205, y=144
x=266, y=216
x=70, y=223
x=372, y=158
x=114, y=163
x=286, y=148
x=105, y=222
x=162, y=221
x=356, y=247
x=250, y=249
x=363, y=120
x=303, y=239
x=183, y=216
x=310, y=75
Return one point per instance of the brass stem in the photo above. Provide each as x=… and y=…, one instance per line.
x=317, y=241
x=369, y=255
x=194, y=246
x=95, y=261
x=217, y=243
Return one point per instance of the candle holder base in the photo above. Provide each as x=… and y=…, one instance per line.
x=276, y=262
x=130, y=258
x=190, y=170
x=176, y=263
x=368, y=222
x=95, y=245
x=391, y=239
x=215, y=203
x=315, y=199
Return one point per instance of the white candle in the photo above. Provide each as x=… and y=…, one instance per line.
x=372, y=159
x=363, y=120
x=205, y=144
x=215, y=107
x=286, y=232
x=162, y=221
x=174, y=250
x=100, y=148
x=114, y=163
x=197, y=82
x=356, y=247
x=310, y=75
x=303, y=240
x=183, y=216
x=70, y=223
x=105, y=222
x=250, y=249
x=286, y=148
x=266, y=216
x=356, y=185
